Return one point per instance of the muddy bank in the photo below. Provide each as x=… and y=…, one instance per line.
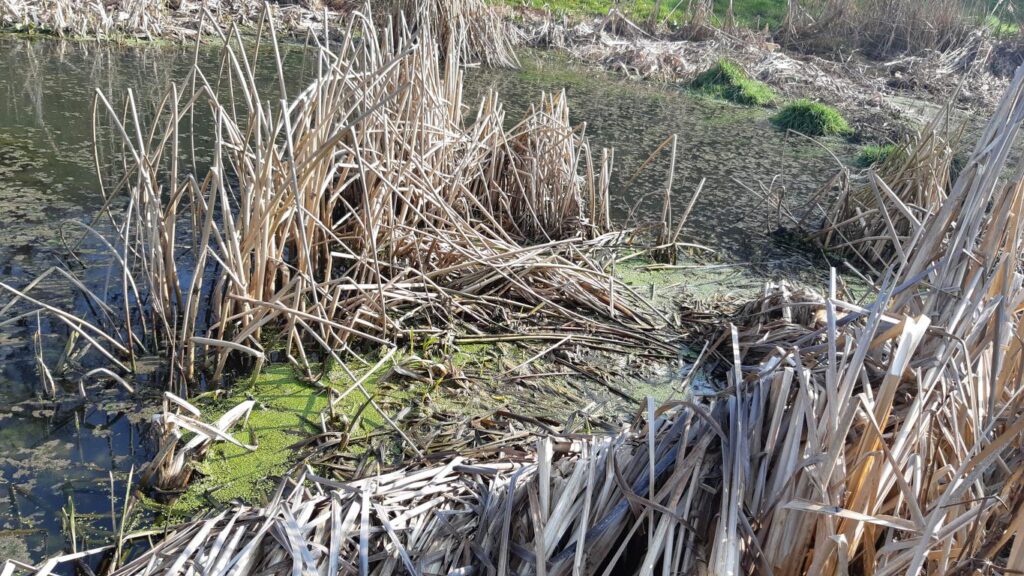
x=874, y=95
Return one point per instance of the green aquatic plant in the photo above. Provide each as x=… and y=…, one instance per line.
x=287, y=411
x=812, y=119
x=728, y=81
x=875, y=154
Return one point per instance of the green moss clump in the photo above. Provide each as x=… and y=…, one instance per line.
x=812, y=119
x=728, y=81
x=875, y=154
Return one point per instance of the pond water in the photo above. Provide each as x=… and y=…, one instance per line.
x=78, y=453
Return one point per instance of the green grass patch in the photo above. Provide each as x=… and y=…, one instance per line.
x=639, y=11
x=728, y=81
x=812, y=119
x=875, y=154
x=1001, y=27
x=750, y=13
x=753, y=13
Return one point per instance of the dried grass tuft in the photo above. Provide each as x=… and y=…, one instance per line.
x=874, y=224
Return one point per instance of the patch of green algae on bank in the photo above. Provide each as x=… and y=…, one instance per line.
x=662, y=284
x=287, y=411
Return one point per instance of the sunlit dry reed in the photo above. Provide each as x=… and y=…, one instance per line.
x=370, y=204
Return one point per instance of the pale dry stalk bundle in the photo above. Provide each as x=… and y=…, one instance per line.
x=892, y=434
x=151, y=19
x=480, y=34
x=87, y=17
x=364, y=207
x=872, y=222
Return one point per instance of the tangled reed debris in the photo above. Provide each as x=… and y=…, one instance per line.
x=151, y=19
x=882, y=28
x=875, y=223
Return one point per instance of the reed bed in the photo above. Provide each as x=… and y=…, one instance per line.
x=149, y=19
x=882, y=28
x=881, y=438
x=481, y=34
x=368, y=207
x=87, y=18
x=885, y=438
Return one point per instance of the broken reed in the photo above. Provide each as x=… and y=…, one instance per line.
x=352, y=212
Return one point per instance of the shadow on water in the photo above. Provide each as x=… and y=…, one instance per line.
x=52, y=455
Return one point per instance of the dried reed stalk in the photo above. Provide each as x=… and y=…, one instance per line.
x=873, y=223
x=480, y=33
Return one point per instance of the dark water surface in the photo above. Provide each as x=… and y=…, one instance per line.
x=53, y=458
